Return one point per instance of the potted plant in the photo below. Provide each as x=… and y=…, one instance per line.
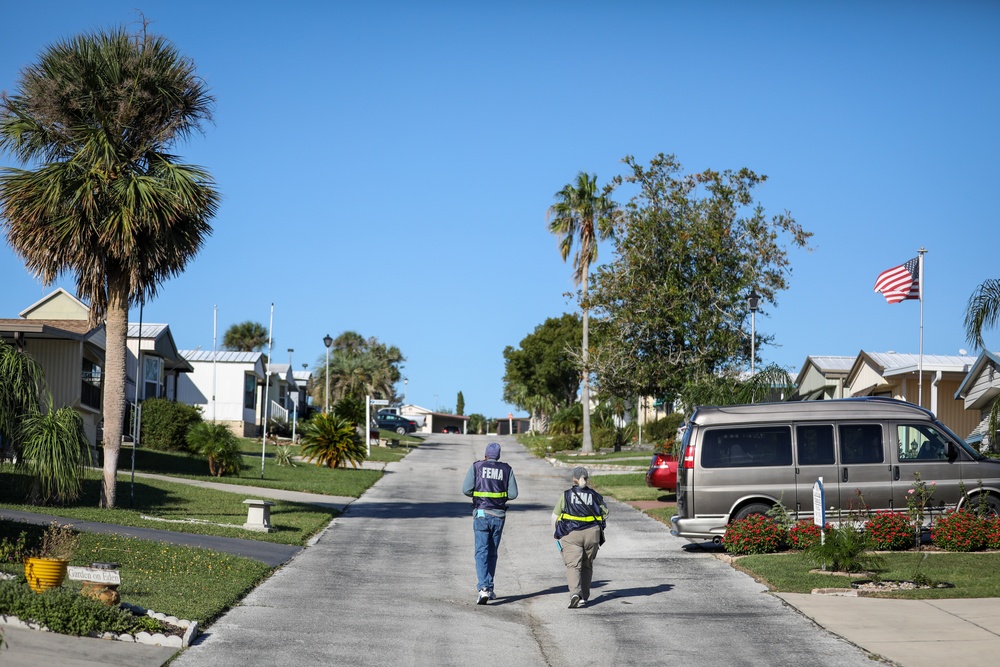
x=46, y=567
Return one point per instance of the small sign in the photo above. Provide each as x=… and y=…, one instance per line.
x=380, y=401
x=819, y=504
x=94, y=574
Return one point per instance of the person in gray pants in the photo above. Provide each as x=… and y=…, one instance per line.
x=578, y=522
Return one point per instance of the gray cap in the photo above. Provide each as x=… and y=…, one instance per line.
x=580, y=473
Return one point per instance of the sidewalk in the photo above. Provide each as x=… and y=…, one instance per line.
x=912, y=633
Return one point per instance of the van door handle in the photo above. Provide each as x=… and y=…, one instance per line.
x=845, y=474
x=895, y=473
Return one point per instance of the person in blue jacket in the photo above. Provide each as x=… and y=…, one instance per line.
x=490, y=484
x=578, y=521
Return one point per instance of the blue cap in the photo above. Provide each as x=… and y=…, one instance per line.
x=493, y=451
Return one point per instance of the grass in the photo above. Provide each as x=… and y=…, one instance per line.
x=186, y=582
x=975, y=575
x=293, y=523
x=304, y=476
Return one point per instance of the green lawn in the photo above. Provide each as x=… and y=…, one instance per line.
x=303, y=476
x=197, y=508
x=974, y=575
x=186, y=582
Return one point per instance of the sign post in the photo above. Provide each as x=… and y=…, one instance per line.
x=819, y=510
x=368, y=420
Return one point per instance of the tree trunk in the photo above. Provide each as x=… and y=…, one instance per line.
x=116, y=330
x=588, y=444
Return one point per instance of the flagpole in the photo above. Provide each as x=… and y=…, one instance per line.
x=267, y=383
x=920, y=361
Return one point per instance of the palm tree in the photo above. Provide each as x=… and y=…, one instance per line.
x=332, y=441
x=246, y=336
x=983, y=312
x=21, y=381
x=582, y=214
x=105, y=200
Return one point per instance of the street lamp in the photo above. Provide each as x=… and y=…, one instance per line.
x=753, y=301
x=290, y=350
x=328, y=342
x=406, y=381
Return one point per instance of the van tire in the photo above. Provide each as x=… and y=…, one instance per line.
x=753, y=508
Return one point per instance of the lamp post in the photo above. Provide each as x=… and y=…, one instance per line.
x=290, y=350
x=753, y=301
x=328, y=342
x=406, y=381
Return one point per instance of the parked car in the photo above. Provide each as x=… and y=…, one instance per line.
x=390, y=422
x=740, y=460
x=662, y=473
x=451, y=429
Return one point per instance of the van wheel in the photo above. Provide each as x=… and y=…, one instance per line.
x=754, y=508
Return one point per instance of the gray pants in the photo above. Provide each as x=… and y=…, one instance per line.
x=579, y=549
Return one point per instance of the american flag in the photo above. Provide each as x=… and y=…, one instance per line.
x=900, y=282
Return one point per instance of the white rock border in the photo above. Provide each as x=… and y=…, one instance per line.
x=157, y=639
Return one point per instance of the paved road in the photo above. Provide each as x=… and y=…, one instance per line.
x=392, y=582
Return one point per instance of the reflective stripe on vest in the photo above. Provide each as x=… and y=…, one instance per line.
x=570, y=517
x=488, y=494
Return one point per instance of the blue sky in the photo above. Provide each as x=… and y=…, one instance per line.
x=386, y=166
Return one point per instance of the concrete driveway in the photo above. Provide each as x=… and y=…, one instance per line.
x=392, y=582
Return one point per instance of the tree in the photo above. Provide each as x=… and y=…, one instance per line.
x=460, y=404
x=21, y=381
x=248, y=336
x=542, y=375
x=671, y=306
x=582, y=215
x=359, y=367
x=96, y=116
x=477, y=423
x=216, y=443
x=983, y=312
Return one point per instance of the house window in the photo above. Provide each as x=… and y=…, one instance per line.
x=90, y=394
x=249, y=391
x=151, y=377
x=281, y=396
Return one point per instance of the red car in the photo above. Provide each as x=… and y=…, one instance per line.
x=662, y=473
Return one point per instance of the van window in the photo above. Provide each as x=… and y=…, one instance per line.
x=814, y=443
x=747, y=447
x=921, y=442
x=861, y=443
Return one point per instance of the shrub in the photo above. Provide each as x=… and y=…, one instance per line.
x=165, y=424
x=283, y=457
x=992, y=531
x=54, y=451
x=566, y=441
x=803, y=535
x=664, y=430
x=332, y=441
x=891, y=531
x=279, y=427
x=218, y=444
x=959, y=531
x=756, y=534
x=65, y=611
x=845, y=549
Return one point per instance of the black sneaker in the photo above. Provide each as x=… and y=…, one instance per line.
x=574, y=601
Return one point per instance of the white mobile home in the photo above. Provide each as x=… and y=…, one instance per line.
x=224, y=384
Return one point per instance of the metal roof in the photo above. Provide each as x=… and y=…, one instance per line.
x=222, y=356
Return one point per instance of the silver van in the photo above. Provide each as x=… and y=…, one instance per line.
x=742, y=459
